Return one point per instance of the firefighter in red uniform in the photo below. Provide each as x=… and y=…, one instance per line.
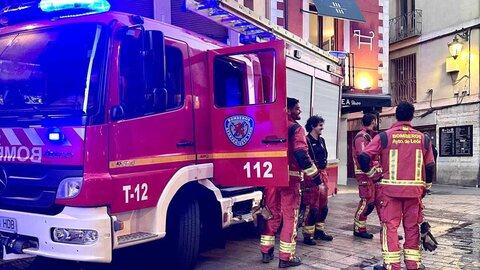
x=284, y=202
x=315, y=198
x=366, y=181
x=407, y=161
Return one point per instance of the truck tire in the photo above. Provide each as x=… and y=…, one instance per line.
x=185, y=235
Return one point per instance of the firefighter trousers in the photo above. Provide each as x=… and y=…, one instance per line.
x=366, y=192
x=283, y=203
x=315, y=200
x=393, y=211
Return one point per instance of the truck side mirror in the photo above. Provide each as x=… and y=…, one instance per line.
x=117, y=113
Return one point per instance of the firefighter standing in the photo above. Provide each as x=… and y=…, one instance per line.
x=407, y=161
x=284, y=202
x=366, y=181
x=316, y=198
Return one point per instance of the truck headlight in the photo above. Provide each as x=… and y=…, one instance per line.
x=74, y=236
x=69, y=187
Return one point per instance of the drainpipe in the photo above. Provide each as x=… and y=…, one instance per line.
x=286, y=13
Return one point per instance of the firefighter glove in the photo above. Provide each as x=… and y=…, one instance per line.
x=428, y=240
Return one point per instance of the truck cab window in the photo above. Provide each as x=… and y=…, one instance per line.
x=244, y=79
x=135, y=97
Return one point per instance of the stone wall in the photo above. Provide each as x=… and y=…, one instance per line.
x=462, y=171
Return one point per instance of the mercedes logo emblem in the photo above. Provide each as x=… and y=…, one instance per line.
x=3, y=179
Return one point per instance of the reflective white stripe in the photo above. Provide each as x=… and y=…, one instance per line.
x=393, y=164
x=33, y=136
x=80, y=132
x=418, y=165
x=11, y=137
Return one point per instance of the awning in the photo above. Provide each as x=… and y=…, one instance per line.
x=343, y=9
x=358, y=102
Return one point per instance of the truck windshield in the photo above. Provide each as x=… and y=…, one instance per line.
x=51, y=70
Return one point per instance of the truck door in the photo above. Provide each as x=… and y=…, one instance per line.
x=249, y=119
x=147, y=146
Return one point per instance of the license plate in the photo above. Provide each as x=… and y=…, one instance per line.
x=8, y=224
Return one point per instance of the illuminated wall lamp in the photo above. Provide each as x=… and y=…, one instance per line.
x=455, y=47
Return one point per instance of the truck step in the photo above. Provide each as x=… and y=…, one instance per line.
x=124, y=239
x=235, y=191
x=242, y=219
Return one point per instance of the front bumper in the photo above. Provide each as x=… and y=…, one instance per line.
x=40, y=227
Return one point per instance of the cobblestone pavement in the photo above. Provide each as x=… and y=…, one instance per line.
x=453, y=212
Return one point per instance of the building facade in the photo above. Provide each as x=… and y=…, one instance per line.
x=434, y=62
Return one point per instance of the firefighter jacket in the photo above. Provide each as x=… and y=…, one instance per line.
x=317, y=149
x=404, y=154
x=361, y=140
x=298, y=160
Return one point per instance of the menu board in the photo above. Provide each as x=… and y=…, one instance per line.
x=456, y=141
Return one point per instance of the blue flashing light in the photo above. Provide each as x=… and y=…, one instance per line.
x=55, y=135
x=64, y=5
x=339, y=54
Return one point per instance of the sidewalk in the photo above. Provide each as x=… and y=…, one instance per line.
x=453, y=212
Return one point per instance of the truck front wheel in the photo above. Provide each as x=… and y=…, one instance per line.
x=183, y=234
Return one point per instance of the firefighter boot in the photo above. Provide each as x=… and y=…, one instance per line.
x=295, y=261
x=309, y=241
x=365, y=235
x=379, y=267
x=267, y=257
x=323, y=236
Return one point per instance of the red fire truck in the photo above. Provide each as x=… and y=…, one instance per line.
x=117, y=130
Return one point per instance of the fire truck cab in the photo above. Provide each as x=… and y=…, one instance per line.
x=117, y=130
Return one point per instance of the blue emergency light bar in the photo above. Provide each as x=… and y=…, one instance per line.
x=60, y=5
x=47, y=9
x=249, y=33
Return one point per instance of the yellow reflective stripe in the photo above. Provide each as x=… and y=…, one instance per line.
x=259, y=154
x=311, y=171
x=295, y=173
x=360, y=224
x=287, y=247
x=391, y=182
x=384, y=238
x=359, y=172
x=320, y=226
x=428, y=185
x=393, y=164
x=309, y=229
x=412, y=255
x=418, y=164
x=389, y=259
x=295, y=225
x=267, y=240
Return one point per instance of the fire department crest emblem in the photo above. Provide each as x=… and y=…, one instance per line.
x=239, y=129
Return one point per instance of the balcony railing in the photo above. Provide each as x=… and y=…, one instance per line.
x=406, y=26
x=404, y=91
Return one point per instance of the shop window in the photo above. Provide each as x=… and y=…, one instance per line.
x=322, y=32
x=244, y=79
